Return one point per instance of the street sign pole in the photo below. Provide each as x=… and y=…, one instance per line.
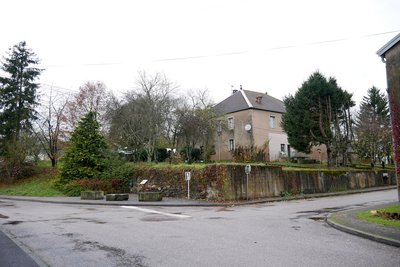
x=247, y=186
x=187, y=178
x=188, y=189
x=247, y=170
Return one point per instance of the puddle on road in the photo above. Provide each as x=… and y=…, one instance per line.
x=157, y=218
x=223, y=209
x=318, y=218
x=215, y=218
x=13, y=223
x=6, y=204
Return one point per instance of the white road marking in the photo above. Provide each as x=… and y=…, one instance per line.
x=156, y=212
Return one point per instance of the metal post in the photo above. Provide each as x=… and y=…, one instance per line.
x=188, y=189
x=247, y=170
x=247, y=186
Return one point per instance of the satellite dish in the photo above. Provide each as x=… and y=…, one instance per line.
x=247, y=127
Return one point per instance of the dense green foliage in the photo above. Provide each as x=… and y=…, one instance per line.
x=319, y=113
x=86, y=157
x=18, y=92
x=18, y=99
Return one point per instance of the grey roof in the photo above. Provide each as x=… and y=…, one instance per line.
x=381, y=52
x=245, y=99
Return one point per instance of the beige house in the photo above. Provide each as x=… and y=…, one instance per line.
x=251, y=119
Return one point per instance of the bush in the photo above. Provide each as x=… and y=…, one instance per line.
x=162, y=154
x=12, y=171
x=195, y=154
x=109, y=186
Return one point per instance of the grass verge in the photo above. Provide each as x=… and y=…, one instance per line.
x=367, y=216
x=41, y=185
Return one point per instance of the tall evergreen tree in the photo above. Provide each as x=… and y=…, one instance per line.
x=18, y=92
x=373, y=126
x=86, y=157
x=319, y=114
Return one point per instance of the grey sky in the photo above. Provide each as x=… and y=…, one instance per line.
x=266, y=46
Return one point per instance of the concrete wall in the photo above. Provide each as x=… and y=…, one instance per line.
x=271, y=181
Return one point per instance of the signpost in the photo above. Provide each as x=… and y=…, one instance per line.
x=187, y=178
x=247, y=170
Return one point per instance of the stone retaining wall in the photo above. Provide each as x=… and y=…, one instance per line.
x=267, y=181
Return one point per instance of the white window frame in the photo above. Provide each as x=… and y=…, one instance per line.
x=272, y=121
x=231, y=144
x=231, y=123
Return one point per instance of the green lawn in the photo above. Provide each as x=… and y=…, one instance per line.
x=367, y=216
x=41, y=185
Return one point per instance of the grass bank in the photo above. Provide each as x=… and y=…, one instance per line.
x=368, y=216
x=40, y=185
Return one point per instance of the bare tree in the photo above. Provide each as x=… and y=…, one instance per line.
x=196, y=123
x=51, y=127
x=92, y=96
x=144, y=119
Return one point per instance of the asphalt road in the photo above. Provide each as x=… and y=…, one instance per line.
x=273, y=234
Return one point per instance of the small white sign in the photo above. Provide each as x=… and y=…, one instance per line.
x=187, y=176
x=247, y=169
x=143, y=182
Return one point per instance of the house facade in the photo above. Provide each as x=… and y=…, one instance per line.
x=390, y=55
x=248, y=119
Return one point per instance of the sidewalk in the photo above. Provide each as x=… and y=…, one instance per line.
x=348, y=222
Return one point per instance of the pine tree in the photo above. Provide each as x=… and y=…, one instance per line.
x=86, y=157
x=373, y=126
x=18, y=93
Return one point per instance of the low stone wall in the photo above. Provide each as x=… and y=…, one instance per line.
x=265, y=181
x=219, y=181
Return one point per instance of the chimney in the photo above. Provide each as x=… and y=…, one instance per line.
x=241, y=87
x=234, y=91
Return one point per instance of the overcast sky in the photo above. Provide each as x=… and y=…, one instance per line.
x=265, y=46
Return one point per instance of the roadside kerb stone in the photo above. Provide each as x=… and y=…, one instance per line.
x=348, y=222
x=117, y=197
x=92, y=195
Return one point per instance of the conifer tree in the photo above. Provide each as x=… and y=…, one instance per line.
x=319, y=114
x=18, y=93
x=86, y=157
x=373, y=126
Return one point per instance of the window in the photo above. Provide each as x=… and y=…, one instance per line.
x=231, y=123
x=272, y=122
x=231, y=144
x=283, y=148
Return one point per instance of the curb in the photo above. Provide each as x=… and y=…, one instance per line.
x=199, y=204
x=357, y=232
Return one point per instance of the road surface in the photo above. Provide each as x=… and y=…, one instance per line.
x=273, y=234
